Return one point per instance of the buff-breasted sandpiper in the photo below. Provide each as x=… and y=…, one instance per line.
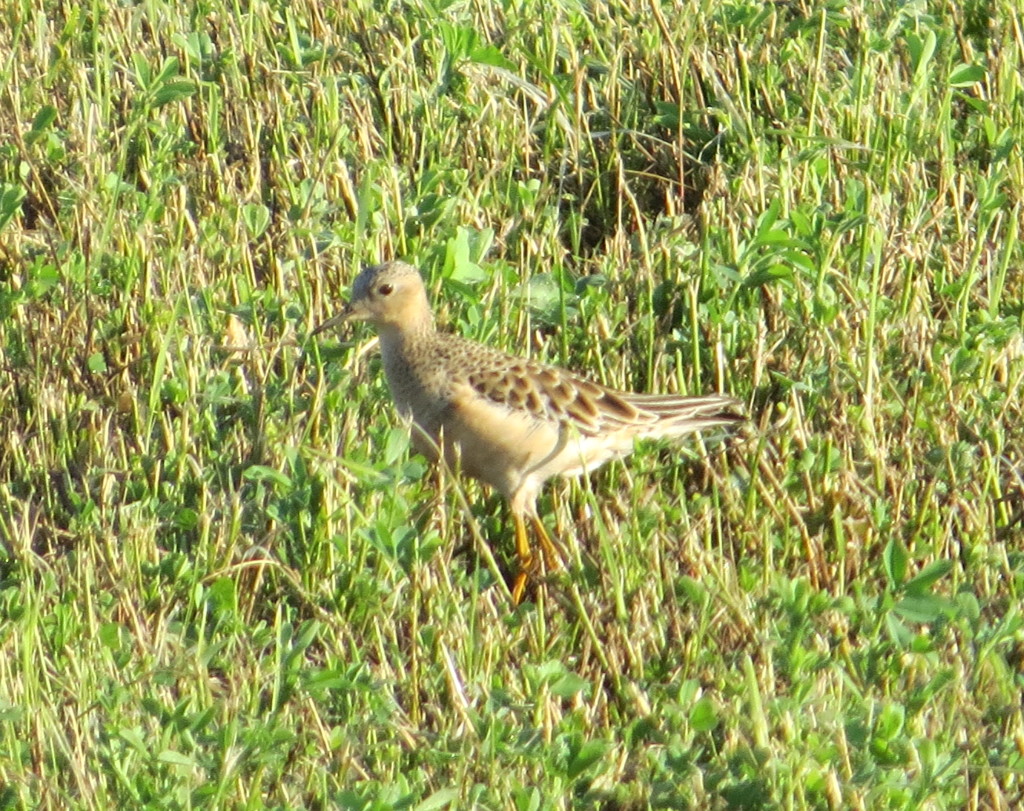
x=511, y=422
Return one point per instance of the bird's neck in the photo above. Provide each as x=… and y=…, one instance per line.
x=397, y=338
x=406, y=354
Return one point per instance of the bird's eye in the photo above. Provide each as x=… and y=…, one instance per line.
x=385, y=289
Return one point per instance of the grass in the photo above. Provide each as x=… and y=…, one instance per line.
x=224, y=581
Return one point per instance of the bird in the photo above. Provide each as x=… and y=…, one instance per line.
x=508, y=421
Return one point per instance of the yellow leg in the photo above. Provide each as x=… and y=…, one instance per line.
x=525, y=559
x=552, y=557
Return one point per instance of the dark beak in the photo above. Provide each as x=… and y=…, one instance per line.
x=348, y=312
x=334, y=321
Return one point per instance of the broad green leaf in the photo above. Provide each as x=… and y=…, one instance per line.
x=262, y=473
x=442, y=798
x=256, y=218
x=589, y=754
x=703, y=716
x=895, y=560
x=96, y=363
x=925, y=608
x=174, y=91
x=10, y=202
x=41, y=123
x=928, y=576
x=966, y=75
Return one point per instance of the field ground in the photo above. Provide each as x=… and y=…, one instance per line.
x=226, y=583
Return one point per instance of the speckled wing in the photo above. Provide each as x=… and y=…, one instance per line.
x=557, y=396
x=548, y=393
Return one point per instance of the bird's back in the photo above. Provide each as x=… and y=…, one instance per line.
x=509, y=420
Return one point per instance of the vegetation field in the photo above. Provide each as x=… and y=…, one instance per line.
x=226, y=581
